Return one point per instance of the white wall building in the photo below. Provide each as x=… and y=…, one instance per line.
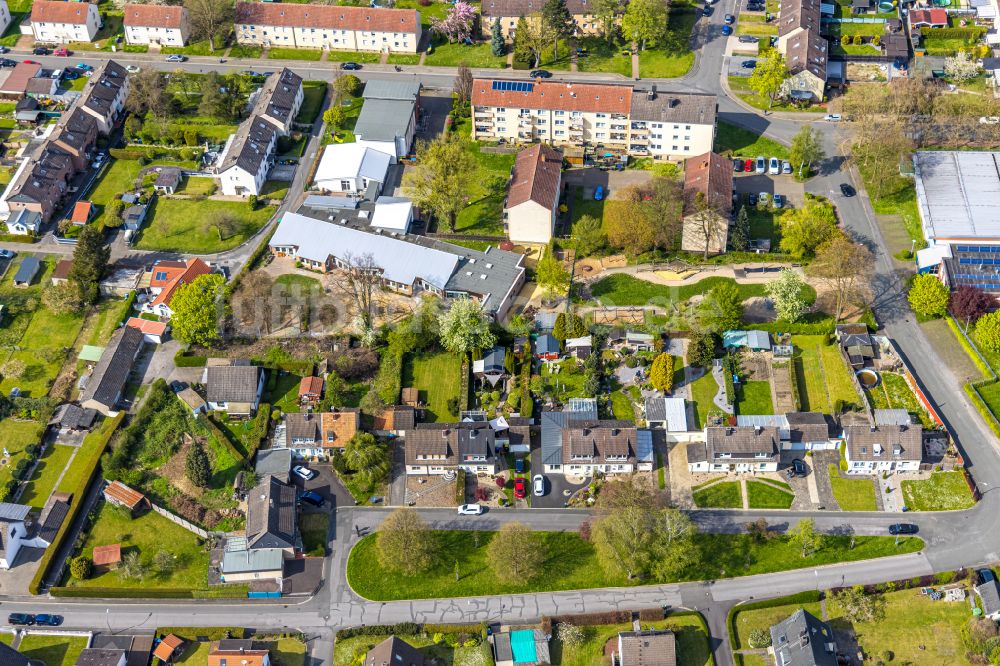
x=533, y=195
x=883, y=448
x=54, y=21
x=349, y=169
x=164, y=25
x=4, y=17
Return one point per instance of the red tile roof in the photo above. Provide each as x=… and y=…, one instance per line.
x=587, y=97
x=536, y=176
x=333, y=17
x=55, y=11
x=81, y=212
x=712, y=175
x=104, y=555
x=194, y=268
x=241, y=657
x=170, y=269
x=157, y=16
x=311, y=386
x=928, y=16
x=122, y=494
x=146, y=326
x=165, y=649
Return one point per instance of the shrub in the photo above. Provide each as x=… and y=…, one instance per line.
x=404, y=628
x=460, y=487
x=183, y=360
x=760, y=638
x=80, y=567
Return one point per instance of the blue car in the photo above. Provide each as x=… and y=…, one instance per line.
x=312, y=498
x=50, y=620
x=519, y=465
x=727, y=30
x=599, y=193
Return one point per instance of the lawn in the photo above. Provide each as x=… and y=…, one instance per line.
x=15, y=436
x=202, y=48
x=620, y=289
x=118, y=177
x=438, y=377
x=246, y=51
x=484, y=213
x=703, y=392
x=602, y=57
x=823, y=376
x=571, y=563
x=733, y=140
x=894, y=393
x=348, y=651
x=181, y=225
x=50, y=466
x=676, y=58
x=403, y=59
x=852, y=494
x=295, y=54
x=195, y=186
x=351, y=56
x=899, y=198
x=52, y=650
x=314, y=527
x=722, y=495
x=563, y=380
x=149, y=534
x=754, y=398
x=87, y=451
x=285, y=392
x=622, y=407
x=761, y=495
x=943, y=491
x=693, y=647
x=313, y=94
x=748, y=621
x=475, y=55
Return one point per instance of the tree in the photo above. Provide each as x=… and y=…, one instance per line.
x=807, y=148
x=515, y=553
x=628, y=491
x=637, y=541
x=209, y=19
x=559, y=327
x=701, y=350
x=575, y=326
x=627, y=224
x=645, y=21
x=13, y=369
x=969, y=303
x=846, y=267
x=661, y=373
x=551, y=275
x=786, y=292
x=522, y=48
x=346, y=85
x=928, y=296
x=607, y=12
x=132, y=567
x=196, y=466
x=961, y=67
x=405, y=543
x=195, y=310
x=80, y=567
x=663, y=206
x=462, y=88
x=759, y=639
x=707, y=223
x=769, y=75
x=163, y=562
x=722, y=308
x=805, y=536
x=457, y=24
x=804, y=229
x=465, y=327
x=62, y=298
x=367, y=457
x=988, y=331
x=589, y=236
x=740, y=238
x=557, y=17
x=359, y=279
x=530, y=40
x=442, y=180
x=498, y=46
x=334, y=117
x=148, y=94
x=90, y=259
x=861, y=607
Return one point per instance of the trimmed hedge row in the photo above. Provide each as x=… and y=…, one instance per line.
x=972, y=390
x=147, y=152
x=261, y=424
x=17, y=238
x=824, y=327
x=183, y=360
x=463, y=391
x=403, y=628
x=239, y=592
x=969, y=350
x=203, y=633
x=460, y=487
x=208, y=420
x=79, y=493
x=810, y=596
x=969, y=35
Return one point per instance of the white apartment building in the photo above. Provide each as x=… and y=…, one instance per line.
x=53, y=21
x=163, y=25
x=509, y=12
x=4, y=16
x=623, y=120
x=328, y=27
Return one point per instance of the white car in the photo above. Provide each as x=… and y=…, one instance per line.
x=470, y=510
x=761, y=165
x=304, y=472
x=132, y=69
x=786, y=167
x=538, y=485
x=832, y=117
x=774, y=166
x=762, y=198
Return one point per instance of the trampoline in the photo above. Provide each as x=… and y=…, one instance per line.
x=522, y=646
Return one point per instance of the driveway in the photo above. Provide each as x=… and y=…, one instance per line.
x=611, y=181
x=557, y=487
x=326, y=484
x=161, y=362
x=434, y=108
x=783, y=185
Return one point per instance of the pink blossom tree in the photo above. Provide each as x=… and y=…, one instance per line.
x=457, y=25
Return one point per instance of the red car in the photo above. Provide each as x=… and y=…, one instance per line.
x=61, y=52
x=520, y=488
x=748, y=166
x=30, y=62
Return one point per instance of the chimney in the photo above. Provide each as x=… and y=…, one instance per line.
x=651, y=94
x=757, y=430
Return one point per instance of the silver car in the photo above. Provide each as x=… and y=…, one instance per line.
x=538, y=485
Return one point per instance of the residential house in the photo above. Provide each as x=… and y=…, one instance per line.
x=118, y=494
x=708, y=203
x=388, y=118
x=27, y=272
x=273, y=462
x=168, y=179
x=156, y=25
x=807, y=431
x=106, y=384
x=883, y=448
x=68, y=416
x=153, y=332
x=395, y=420
x=39, y=185
x=169, y=646
x=102, y=656
x=352, y=169
x=490, y=368
x=656, y=647
x=63, y=22
x=621, y=119
x=310, y=390
x=76, y=134
x=927, y=18
x=408, y=264
x=278, y=101
x=638, y=342
x=989, y=598
x=108, y=557
x=133, y=217
x=583, y=12
x=24, y=222
x=669, y=414
x=165, y=278
x=234, y=389
x=512, y=433
x=244, y=565
x=61, y=273
x=435, y=448
x=579, y=348
x=547, y=347
x=5, y=17
x=103, y=96
x=552, y=424
x=802, y=639
x=319, y=434
x=393, y=651
x=11, y=657
x=735, y=449
x=532, y=203
x=605, y=446
x=13, y=532
x=237, y=652
x=377, y=29
x=83, y=212
x=805, y=50
x=15, y=85
x=271, y=517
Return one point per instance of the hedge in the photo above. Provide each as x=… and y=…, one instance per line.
x=808, y=597
x=460, y=487
x=289, y=365
x=969, y=35
x=202, y=633
x=463, y=391
x=261, y=424
x=824, y=327
x=148, y=152
x=129, y=300
x=183, y=360
x=208, y=420
x=404, y=628
x=236, y=592
x=969, y=349
x=971, y=390
x=79, y=493
x=17, y=238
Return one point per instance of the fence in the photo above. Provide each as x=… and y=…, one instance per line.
x=859, y=19
x=186, y=524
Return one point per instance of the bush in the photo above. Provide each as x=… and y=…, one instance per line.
x=759, y=638
x=404, y=628
x=183, y=360
x=460, y=487
x=81, y=567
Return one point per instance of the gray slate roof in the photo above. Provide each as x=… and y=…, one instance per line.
x=273, y=462
x=384, y=119
x=249, y=148
x=28, y=270
x=100, y=657
x=391, y=89
x=104, y=87
x=896, y=442
x=11, y=657
x=552, y=424
x=671, y=107
x=271, y=521
x=112, y=371
x=232, y=383
x=276, y=98
x=989, y=593
x=742, y=443
x=801, y=639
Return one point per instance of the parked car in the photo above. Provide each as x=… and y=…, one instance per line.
x=70, y=74
x=7, y=62
x=755, y=7
x=21, y=619
x=132, y=69
x=799, y=466
x=538, y=485
x=738, y=165
x=774, y=166
x=752, y=199
x=902, y=528
x=847, y=190
x=312, y=498
x=470, y=510
x=41, y=50
x=706, y=11
x=540, y=74
x=4, y=49
x=49, y=620
x=519, y=465
x=779, y=201
x=520, y=488
x=761, y=165
x=84, y=67
x=304, y=472
x=748, y=39
x=175, y=57
x=786, y=167
x=7, y=254
x=353, y=66
x=727, y=30
x=989, y=120
x=598, y=193
x=62, y=52
x=832, y=117
x=730, y=19
x=749, y=64
x=748, y=167
x=30, y=62
x=763, y=197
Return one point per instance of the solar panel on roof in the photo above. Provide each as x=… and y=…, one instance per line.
x=514, y=86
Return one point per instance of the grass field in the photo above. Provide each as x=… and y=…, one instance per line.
x=313, y=94
x=749, y=621
x=703, y=391
x=52, y=650
x=313, y=527
x=180, y=225
x=733, y=140
x=50, y=466
x=347, y=651
x=246, y=51
x=484, y=213
x=689, y=630
x=571, y=563
x=943, y=491
x=438, y=378
x=621, y=290
x=453, y=55
x=118, y=177
x=823, y=376
x=762, y=495
x=723, y=495
x=754, y=398
x=87, y=451
x=894, y=393
x=613, y=59
x=149, y=534
x=285, y=394
x=15, y=436
x=852, y=494
x=295, y=54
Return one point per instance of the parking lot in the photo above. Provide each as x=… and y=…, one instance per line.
x=794, y=192
x=736, y=67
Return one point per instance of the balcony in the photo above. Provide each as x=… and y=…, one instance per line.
x=619, y=116
x=524, y=123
